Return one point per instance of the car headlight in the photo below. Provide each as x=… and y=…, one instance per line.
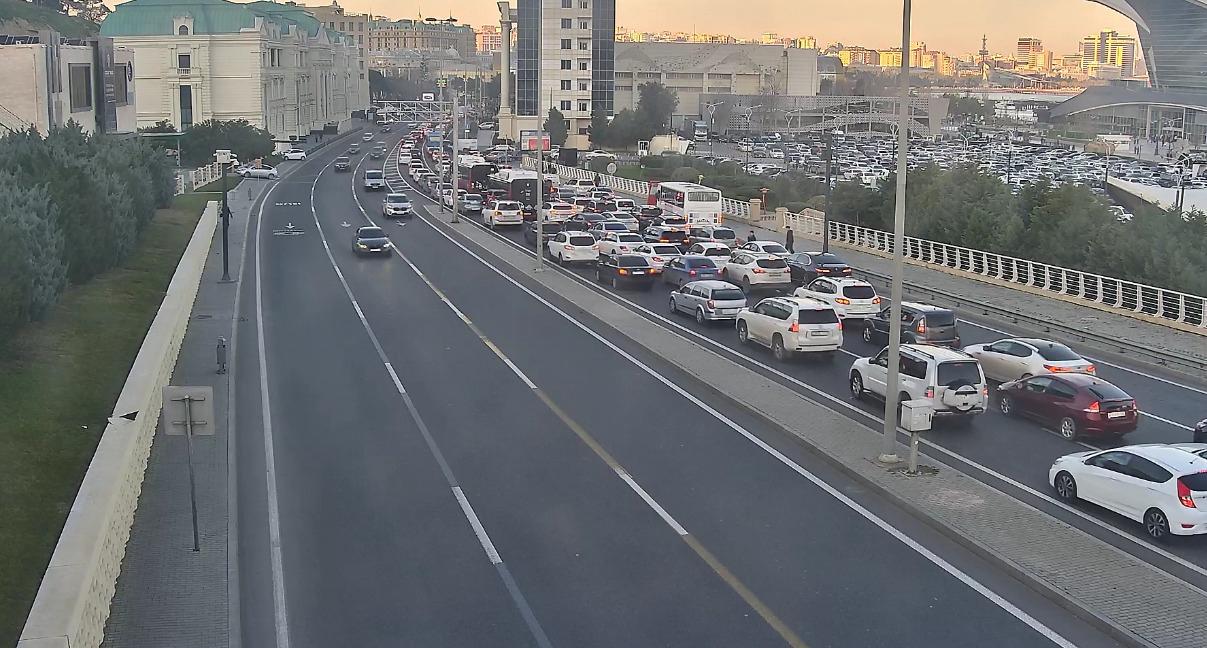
x=387, y=245
x=362, y=246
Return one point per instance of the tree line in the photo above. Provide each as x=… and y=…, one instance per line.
x=198, y=144
x=72, y=205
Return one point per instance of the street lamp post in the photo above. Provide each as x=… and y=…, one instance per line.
x=711, y=109
x=456, y=138
x=888, y=453
x=825, y=215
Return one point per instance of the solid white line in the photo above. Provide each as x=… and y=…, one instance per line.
x=479, y=530
x=868, y=515
x=666, y=517
x=281, y=617
x=394, y=376
x=1165, y=420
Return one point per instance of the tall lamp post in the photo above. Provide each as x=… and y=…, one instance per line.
x=223, y=158
x=825, y=215
x=711, y=109
x=456, y=132
x=888, y=453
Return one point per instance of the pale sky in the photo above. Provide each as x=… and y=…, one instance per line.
x=954, y=26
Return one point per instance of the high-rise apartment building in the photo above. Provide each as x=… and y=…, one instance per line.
x=1109, y=48
x=488, y=38
x=1027, y=46
x=565, y=59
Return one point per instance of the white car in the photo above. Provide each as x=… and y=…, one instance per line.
x=618, y=243
x=294, y=154
x=1018, y=358
x=263, y=173
x=718, y=252
x=753, y=270
x=854, y=299
x=951, y=380
x=570, y=247
x=599, y=228
x=765, y=247
x=791, y=325
x=503, y=212
x=447, y=197
x=626, y=205
x=1161, y=486
x=366, y=137
x=628, y=219
x=558, y=211
x=396, y=204
x=657, y=253
x=582, y=186
x=777, y=154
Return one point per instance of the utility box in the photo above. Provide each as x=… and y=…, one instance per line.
x=916, y=415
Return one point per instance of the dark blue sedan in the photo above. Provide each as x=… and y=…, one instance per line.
x=688, y=268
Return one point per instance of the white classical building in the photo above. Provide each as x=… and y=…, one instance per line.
x=274, y=65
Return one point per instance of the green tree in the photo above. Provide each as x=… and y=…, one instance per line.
x=555, y=126
x=31, y=254
x=248, y=142
x=597, y=131
x=655, y=106
x=161, y=126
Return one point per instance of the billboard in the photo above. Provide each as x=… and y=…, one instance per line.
x=528, y=141
x=106, y=113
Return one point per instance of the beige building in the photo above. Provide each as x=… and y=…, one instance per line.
x=354, y=25
x=693, y=70
x=47, y=84
x=488, y=38
x=429, y=34
x=274, y=65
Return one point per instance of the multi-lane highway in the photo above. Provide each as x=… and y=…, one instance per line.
x=434, y=451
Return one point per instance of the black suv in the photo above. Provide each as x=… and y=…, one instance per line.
x=625, y=269
x=920, y=323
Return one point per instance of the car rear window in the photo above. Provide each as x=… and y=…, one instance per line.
x=665, y=249
x=1057, y=352
x=771, y=263
x=1195, y=482
x=628, y=238
x=940, y=318
x=507, y=204
x=631, y=261
x=1107, y=391
x=816, y=316
x=716, y=252
x=728, y=294
x=858, y=292
x=775, y=249
x=701, y=263
x=724, y=234
x=960, y=371
x=582, y=240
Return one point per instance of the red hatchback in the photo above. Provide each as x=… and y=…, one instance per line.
x=1077, y=404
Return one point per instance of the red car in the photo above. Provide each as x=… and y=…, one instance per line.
x=1076, y=404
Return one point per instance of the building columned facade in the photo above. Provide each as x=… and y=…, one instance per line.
x=429, y=34
x=274, y=65
x=49, y=81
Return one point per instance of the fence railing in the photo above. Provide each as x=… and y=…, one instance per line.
x=1118, y=293
x=191, y=180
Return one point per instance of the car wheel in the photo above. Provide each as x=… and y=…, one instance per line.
x=561, y=260
x=674, y=307
x=746, y=284
x=1068, y=428
x=856, y=385
x=615, y=284
x=867, y=333
x=778, y=350
x=700, y=316
x=1156, y=525
x=1006, y=405
x=598, y=275
x=1066, y=487
x=743, y=333
x=1025, y=376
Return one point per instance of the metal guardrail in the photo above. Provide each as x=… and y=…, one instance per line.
x=1160, y=357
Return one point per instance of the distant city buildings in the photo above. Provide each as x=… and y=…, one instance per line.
x=488, y=38
x=1103, y=52
x=627, y=35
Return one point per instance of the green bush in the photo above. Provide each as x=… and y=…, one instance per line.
x=685, y=174
x=198, y=143
x=31, y=254
x=652, y=161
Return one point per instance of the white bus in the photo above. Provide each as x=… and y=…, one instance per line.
x=700, y=205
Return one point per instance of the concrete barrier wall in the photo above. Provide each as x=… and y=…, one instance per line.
x=73, y=600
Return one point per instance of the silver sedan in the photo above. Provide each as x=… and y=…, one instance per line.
x=1018, y=358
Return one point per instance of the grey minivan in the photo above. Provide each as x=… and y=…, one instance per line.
x=920, y=323
x=708, y=300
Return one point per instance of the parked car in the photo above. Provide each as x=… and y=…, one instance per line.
x=1162, y=487
x=688, y=268
x=1076, y=404
x=1019, y=358
x=370, y=240
x=951, y=380
x=625, y=269
x=920, y=323
x=342, y=163
x=855, y=300
x=572, y=247
x=807, y=266
x=791, y=325
x=294, y=154
x=708, y=300
x=471, y=203
x=262, y=173
x=754, y=270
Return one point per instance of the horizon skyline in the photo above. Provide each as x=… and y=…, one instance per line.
x=1059, y=24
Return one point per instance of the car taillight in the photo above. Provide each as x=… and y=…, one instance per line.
x=571, y=247
x=840, y=325
x=921, y=326
x=930, y=392
x=1093, y=408
x=711, y=304
x=758, y=271
x=1184, y=495
x=794, y=327
x=985, y=391
x=822, y=270
x=1056, y=368
x=692, y=273
x=842, y=300
x=875, y=300
x=658, y=258
x=1091, y=369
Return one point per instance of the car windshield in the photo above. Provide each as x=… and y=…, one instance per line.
x=1056, y=352
x=858, y=292
x=816, y=316
x=397, y=199
x=582, y=241
x=1107, y=391
x=373, y=174
x=958, y=372
x=771, y=263
x=728, y=294
x=371, y=232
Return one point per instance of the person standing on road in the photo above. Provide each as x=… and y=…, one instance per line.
x=788, y=236
x=750, y=237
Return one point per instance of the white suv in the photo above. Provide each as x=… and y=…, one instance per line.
x=951, y=380
x=790, y=325
x=854, y=299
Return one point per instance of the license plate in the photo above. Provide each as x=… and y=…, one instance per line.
x=1116, y=414
x=819, y=333
x=637, y=272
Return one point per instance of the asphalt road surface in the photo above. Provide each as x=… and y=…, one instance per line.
x=434, y=453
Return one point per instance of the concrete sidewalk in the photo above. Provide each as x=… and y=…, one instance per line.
x=167, y=594
x=1091, y=320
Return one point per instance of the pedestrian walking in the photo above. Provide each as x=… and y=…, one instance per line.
x=750, y=237
x=788, y=240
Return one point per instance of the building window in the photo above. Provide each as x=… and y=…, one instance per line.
x=583, y=106
x=583, y=23
x=565, y=105
x=583, y=65
x=582, y=130
x=186, y=107
x=567, y=4
x=184, y=61
x=183, y=30
x=582, y=4
x=567, y=23
x=584, y=45
x=566, y=43
x=566, y=84
x=341, y=25
x=121, y=89
x=80, y=82
x=566, y=64
x=584, y=85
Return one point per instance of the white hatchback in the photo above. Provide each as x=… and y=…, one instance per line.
x=854, y=299
x=570, y=247
x=504, y=212
x=753, y=270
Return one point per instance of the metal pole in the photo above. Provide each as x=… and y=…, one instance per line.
x=888, y=453
x=825, y=215
x=540, y=178
x=456, y=137
x=226, y=223
x=188, y=436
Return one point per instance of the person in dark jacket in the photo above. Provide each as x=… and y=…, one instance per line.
x=788, y=236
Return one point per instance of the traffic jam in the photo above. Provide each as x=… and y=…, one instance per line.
x=1017, y=405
